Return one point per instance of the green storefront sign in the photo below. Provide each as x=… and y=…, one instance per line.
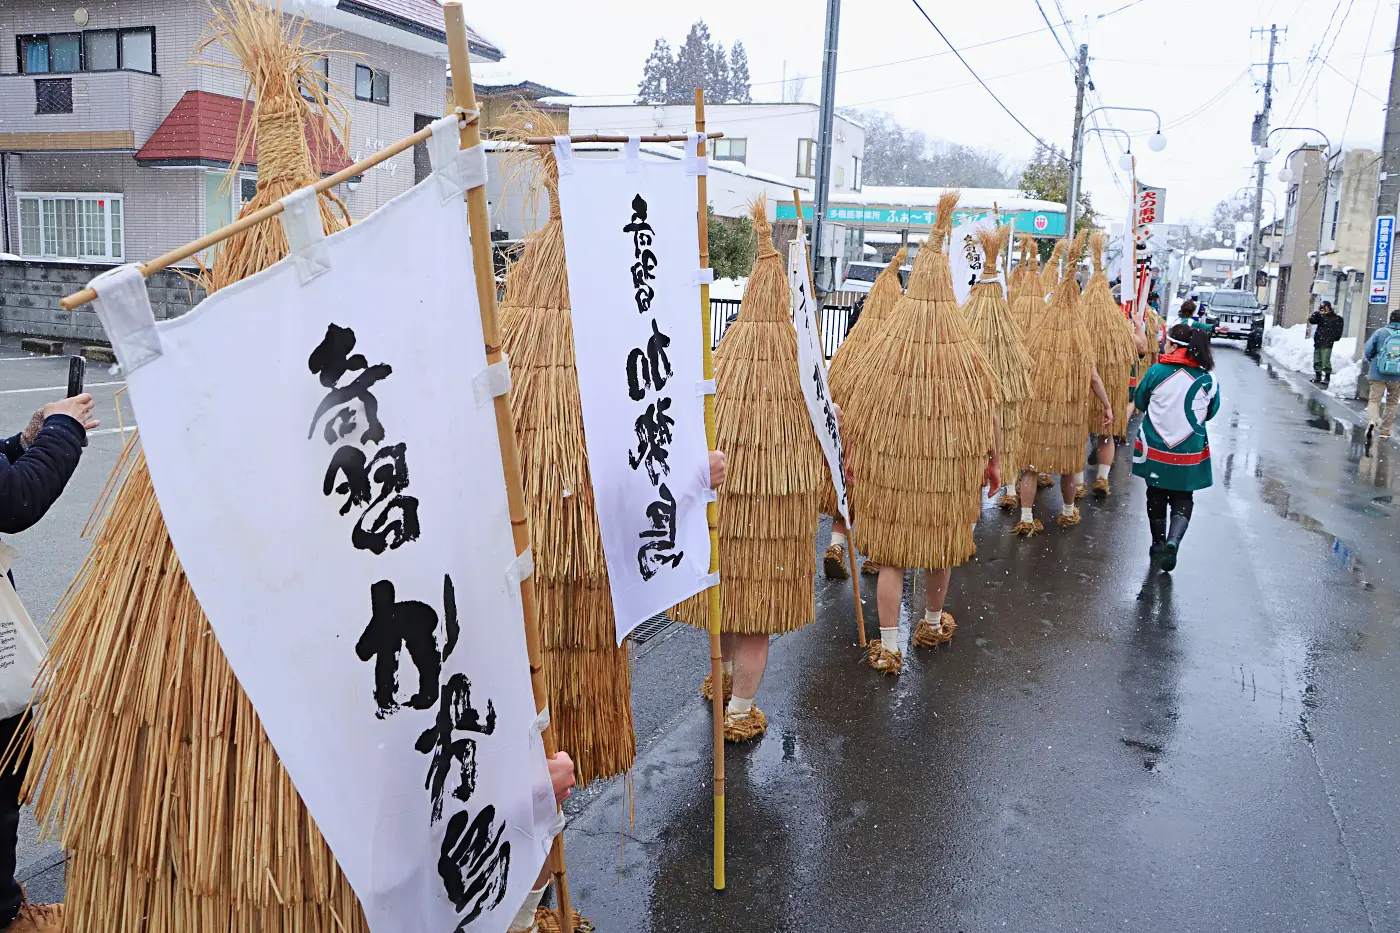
x=1040, y=223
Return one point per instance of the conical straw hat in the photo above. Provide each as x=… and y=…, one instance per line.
x=1063, y=360
x=1115, y=352
x=1050, y=272
x=921, y=424
x=1027, y=290
x=172, y=804
x=589, y=675
x=774, y=465
x=990, y=319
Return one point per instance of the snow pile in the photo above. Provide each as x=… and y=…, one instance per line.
x=1292, y=348
x=728, y=288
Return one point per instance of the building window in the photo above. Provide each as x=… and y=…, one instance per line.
x=1336, y=206
x=855, y=174
x=70, y=226
x=96, y=50
x=224, y=200
x=371, y=84
x=806, y=158
x=840, y=178
x=735, y=150
x=53, y=95
x=321, y=75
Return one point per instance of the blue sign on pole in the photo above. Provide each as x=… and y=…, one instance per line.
x=1380, y=265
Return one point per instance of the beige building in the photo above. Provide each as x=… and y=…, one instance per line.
x=1347, y=231
x=1302, y=222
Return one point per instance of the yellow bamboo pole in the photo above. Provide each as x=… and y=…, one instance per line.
x=711, y=510
x=850, y=526
x=479, y=221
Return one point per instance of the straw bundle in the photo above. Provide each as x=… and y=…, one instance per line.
x=1153, y=323
x=1063, y=359
x=921, y=426
x=174, y=806
x=774, y=468
x=1050, y=272
x=840, y=378
x=590, y=686
x=989, y=317
x=1026, y=288
x=1115, y=352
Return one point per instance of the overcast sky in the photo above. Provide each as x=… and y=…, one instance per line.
x=1194, y=61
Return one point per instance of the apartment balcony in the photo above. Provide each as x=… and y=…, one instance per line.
x=78, y=112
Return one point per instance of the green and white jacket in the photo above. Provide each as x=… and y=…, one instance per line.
x=1172, y=449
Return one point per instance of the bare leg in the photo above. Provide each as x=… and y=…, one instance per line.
x=1028, y=489
x=1069, y=513
x=750, y=660
x=937, y=583
x=727, y=642
x=889, y=594
x=838, y=526
x=1106, y=450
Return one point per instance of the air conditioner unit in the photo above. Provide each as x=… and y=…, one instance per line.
x=833, y=243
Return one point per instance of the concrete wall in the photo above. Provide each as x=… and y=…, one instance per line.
x=30, y=293
x=1303, y=217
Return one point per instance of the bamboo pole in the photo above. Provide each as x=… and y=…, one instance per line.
x=479, y=221
x=850, y=526
x=711, y=510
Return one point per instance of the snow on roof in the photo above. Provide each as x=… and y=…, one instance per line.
x=1219, y=253
x=670, y=152
x=1007, y=199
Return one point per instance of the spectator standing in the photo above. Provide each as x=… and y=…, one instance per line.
x=1326, y=326
x=1383, y=353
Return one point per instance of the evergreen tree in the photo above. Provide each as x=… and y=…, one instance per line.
x=657, y=74
x=693, y=65
x=739, y=92
x=732, y=245
x=1046, y=176
x=717, y=87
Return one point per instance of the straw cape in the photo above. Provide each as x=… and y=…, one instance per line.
x=589, y=675
x=840, y=374
x=172, y=804
x=1115, y=352
x=1153, y=324
x=1063, y=359
x=921, y=426
x=1050, y=272
x=1026, y=289
x=774, y=466
x=1001, y=341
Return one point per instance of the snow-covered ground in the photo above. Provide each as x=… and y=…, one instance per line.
x=728, y=288
x=1293, y=349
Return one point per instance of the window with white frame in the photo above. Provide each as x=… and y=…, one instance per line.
x=806, y=158
x=224, y=199
x=734, y=150
x=71, y=226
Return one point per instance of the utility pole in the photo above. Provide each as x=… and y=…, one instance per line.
x=1378, y=314
x=1076, y=143
x=1261, y=139
x=821, y=196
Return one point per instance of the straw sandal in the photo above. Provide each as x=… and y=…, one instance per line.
x=37, y=918
x=929, y=635
x=886, y=662
x=1043, y=481
x=1069, y=521
x=1010, y=501
x=870, y=568
x=745, y=727
x=835, y=563
x=1101, y=487
x=1080, y=491
x=547, y=921
x=1028, y=529
x=707, y=688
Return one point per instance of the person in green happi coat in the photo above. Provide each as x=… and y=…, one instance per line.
x=1177, y=396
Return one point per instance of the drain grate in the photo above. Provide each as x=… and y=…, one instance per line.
x=651, y=628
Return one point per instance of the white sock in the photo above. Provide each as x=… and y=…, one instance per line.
x=889, y=639
x=1079, y=478
x=525, y=918
x=728, y=668
x=743, y=707
x=838, y=539
x=1067, y=510
x=1103, y=470
x=932, y=617
x=1027, y=515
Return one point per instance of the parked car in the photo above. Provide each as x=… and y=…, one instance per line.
x=861, y=275
x=1235, y=313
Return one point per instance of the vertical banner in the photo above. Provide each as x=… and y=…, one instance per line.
x=811, y=367
x=1127, y=269
x=1380, y=259
x=966, y=259
x=632, y=248
x=356, y=562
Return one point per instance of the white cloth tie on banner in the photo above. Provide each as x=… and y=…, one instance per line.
x=633, y=246
x=354, y=579
x=492, y=382
x=704, y=276
x=520, y=569
x=705, y=387
x=124, y=308
x=632, y=150
x=564, y=154
x=306, y=238
x=695, y=163
x=811, y=371
x=455, y=169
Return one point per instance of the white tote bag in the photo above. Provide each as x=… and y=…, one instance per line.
x=21, y=645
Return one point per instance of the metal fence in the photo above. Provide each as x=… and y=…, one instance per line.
x=836, y=322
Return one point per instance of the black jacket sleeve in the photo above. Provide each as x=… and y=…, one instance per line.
x=12, y=448
x=1315, y=318
x=35, y=480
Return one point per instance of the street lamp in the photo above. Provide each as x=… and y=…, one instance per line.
x=1156, y=142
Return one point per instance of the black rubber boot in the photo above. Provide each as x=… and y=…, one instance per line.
x=1159, y=535
x=1326, y=380
x=1173, y=545
x=1317, y=376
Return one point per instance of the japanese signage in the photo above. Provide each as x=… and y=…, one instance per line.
x=1152, y=205
x=811, y=368
x=358, y=566
x=966, y=259
x=1041, y=223
x=633, y=251
x=1380, y=264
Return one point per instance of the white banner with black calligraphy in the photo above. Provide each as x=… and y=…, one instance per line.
x=334, y=490
x=811, y=367
x=633, y=254
x=966, y=258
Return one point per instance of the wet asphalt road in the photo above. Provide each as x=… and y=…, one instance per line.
x=1102, y=748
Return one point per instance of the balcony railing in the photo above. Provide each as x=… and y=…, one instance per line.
x=80, y=111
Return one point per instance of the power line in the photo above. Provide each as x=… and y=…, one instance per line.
x=1356, y=85
x=1069, y=58
x=1356, y=82
x=1216, y=98
x=971, y=71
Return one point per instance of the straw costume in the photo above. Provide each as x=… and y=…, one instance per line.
x=1115, y=355
x=1050, y=272
x=1026, y=289
x=174, y=808
x=773, y=478
x=1065, y=379
x=921, y=431
x=840, y=378
x=1001, y=340
x=589, y=675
